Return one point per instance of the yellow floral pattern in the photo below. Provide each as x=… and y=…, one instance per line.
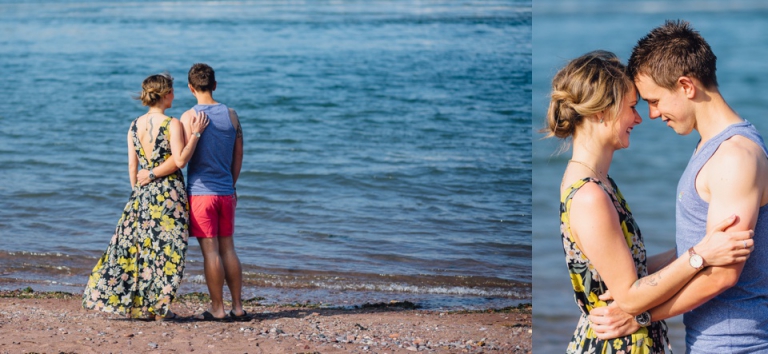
x=587, y=285
x=144, y=263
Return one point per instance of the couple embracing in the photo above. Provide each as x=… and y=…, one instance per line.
x=143, y=266
x=717, y=275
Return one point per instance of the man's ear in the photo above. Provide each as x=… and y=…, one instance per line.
x=688, y=86
x=214, y=86
x=191, y=89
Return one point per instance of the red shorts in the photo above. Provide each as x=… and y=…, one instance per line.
x=212, y=215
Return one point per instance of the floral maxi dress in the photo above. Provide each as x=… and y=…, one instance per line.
x=141, y=270
x=587, y=285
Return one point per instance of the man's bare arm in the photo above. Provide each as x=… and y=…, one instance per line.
x=731, y=181
x=237, y=153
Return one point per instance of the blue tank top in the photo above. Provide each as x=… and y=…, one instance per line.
x=209, y=171
x=736, y=321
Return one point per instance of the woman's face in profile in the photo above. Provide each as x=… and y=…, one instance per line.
x=627, y=118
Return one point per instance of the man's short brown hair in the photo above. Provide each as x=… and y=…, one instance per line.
x=673, y=50
x=201, y=77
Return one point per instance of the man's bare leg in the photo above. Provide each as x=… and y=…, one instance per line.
x=233, y=272
x=214, y=274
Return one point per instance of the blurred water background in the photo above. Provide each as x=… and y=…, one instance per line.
x=648, y=171
x=387, y=143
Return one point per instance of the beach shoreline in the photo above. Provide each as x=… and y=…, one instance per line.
x=55, y=322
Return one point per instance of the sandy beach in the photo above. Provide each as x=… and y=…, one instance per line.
x=54, y=322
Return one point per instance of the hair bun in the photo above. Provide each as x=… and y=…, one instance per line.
x=154, y=88
x=564, y=115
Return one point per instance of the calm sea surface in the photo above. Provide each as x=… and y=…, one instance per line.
x=648, y=171
x=387, y=144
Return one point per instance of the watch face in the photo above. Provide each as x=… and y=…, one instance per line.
x=643, y=319
x=696, y=261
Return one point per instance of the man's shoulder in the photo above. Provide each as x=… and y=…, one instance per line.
x=739, y=150
x=234, y=117
x=188, y=114
x=738, y=160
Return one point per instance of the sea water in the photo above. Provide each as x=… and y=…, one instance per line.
x=387, y=143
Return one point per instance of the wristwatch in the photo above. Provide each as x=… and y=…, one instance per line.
x=643, y=319
x=695, y=260
x=151, y=174
x=197, y=134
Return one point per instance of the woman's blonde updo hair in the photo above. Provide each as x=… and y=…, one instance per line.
x=592, y=83
x=154, y=88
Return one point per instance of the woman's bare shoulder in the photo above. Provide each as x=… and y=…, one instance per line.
x=591, y=195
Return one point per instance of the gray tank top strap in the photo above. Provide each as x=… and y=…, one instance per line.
x=745, y=129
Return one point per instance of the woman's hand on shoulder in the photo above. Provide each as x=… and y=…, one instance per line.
x=199, y=122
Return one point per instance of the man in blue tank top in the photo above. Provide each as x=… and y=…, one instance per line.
x=211, y=177
x=725, y=309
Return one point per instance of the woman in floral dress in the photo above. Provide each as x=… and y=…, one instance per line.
x=593, y=103
x=143, y=265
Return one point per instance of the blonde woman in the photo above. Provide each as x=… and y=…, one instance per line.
x=143, y=265
x=593, y=103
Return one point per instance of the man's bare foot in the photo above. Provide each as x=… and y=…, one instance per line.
x=242, y=317
x=208, y=316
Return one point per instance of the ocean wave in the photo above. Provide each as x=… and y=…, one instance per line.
x=520, y=292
